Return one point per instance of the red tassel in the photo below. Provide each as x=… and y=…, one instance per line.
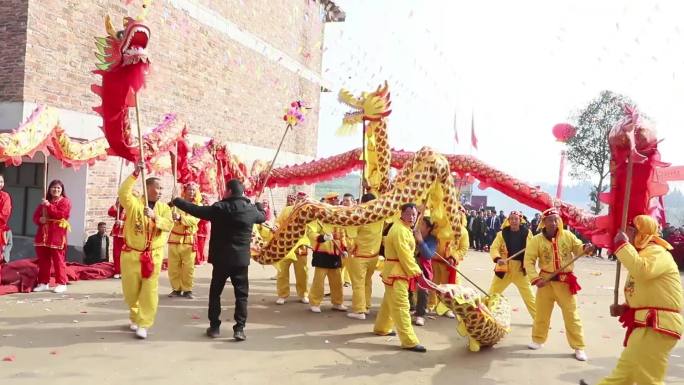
x=146, y=264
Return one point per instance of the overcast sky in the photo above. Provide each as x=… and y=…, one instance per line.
x=521, y=66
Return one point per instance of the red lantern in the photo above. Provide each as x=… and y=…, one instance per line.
x=564, y=132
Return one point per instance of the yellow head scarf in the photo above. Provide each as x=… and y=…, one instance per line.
x=647, y=232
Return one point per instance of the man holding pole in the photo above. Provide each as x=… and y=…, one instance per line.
x=553, y=249
x=507, y=251
x=297, y=257
x=146, y=231
x=652, y=314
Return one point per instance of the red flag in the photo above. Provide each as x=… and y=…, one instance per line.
x=473, y=138
x=455, y=129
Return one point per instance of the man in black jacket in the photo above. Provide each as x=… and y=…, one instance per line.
x=232, y=220
x=96, y=248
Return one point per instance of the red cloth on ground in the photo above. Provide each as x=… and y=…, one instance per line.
x=22, y=276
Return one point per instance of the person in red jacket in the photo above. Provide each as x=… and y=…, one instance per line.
x=5, y=213
x=51, y=217
x=117, y=236
x=203, y=229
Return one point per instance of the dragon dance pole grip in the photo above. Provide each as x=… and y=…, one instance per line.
x=45, y=182
x=270, y=166
x=623, y=224
x=118, y=184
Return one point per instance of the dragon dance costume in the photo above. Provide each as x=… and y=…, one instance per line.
x=182, y=250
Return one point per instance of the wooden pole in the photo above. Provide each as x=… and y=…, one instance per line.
x=462, y=275
x=563, y=268
x=270, y=166
x=623, y=224
x=141, y=149
x=45, y=182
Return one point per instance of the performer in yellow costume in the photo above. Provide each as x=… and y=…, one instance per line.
x=297, y=257
x=362, y=264
x=399, y=276
x=652, y=314
x=552, y=249
x=146, y=231
x=454, y=252
x=512, y=239
x=330, y=246
x=183, y=246
x=347, y=201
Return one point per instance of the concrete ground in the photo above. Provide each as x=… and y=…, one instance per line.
x=81, y=337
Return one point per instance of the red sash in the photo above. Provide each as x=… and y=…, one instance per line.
x=628, y=319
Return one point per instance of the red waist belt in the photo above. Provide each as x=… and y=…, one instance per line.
x=628, y=319
x=146, y=262
x=367, y=256
x=568, y=278
x=412, y=282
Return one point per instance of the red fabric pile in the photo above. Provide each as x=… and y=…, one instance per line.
x=22, y=276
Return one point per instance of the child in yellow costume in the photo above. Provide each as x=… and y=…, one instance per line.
x=329, y=248
x=399, y=276
x=553, y=248
x=146, y=231
x=512, y=239
x=297, y=257
x=362, y=264
x=182, y=246
x=652, y=315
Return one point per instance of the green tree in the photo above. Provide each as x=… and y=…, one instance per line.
x=588, y=150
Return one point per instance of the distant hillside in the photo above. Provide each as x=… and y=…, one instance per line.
x=347, y=184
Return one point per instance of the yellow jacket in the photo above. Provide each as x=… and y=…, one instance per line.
x=184, y=230
x=138, y=227
x=400, y=246
x=499, y=249
x=368, y=240
x=551, y=255
x=653, y=282
x=463, y=245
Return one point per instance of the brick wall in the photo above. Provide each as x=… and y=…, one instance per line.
x=13, y=15
x=218, y=86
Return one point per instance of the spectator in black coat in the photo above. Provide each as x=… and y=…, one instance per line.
x=232, y=220
x=96, y=248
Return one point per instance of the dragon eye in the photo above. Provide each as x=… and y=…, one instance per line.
x=119, y=35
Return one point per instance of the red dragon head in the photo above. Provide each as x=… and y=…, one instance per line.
x=124, y=47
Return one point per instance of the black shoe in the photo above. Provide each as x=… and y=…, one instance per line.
x=583, y=383
x=239, y=335
x=188, y=295
x=213, y=332
x=175, y=293
x=418, y=349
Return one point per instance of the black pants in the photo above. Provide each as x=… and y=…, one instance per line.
x=240, y=281
x=419, y=300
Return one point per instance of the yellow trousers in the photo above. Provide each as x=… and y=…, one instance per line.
x=515, y=276
x=141, y=295
x=644, y=360
x=395, y=312
x=557, y=292
x=301, y=271
x=346, y=278
x=440, y=276
x=361, y=271
x=181, y=266
x=335, y=282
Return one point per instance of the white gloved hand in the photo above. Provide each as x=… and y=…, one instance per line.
x=327, y=237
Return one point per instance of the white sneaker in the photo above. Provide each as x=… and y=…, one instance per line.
x=450, y=314
x=315, y=309
x=117, y=276
x=41, y=287
x=132, y=326
x=359, y=316
x=339, y=307
x=534, y=346
x=280, y=301
x=141, y=333
x=304, y=300
x=419, y=321
x=59, y=289
x=580, y=355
